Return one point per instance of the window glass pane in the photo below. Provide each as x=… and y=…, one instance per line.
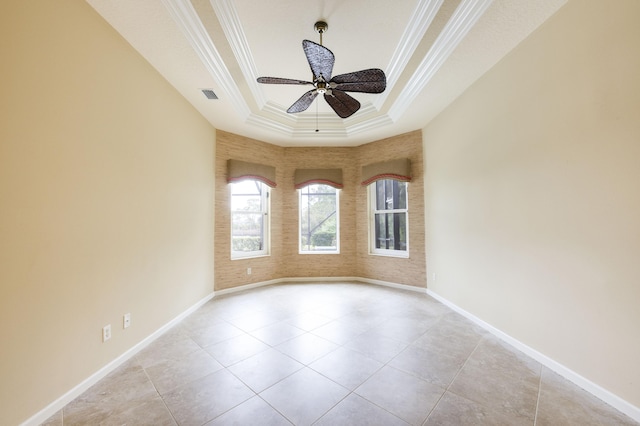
x=318, y=218
x=249, y=203
x=400, y=231
x=380, y=231
x=389, y=217
x=400, y=188
x=380, y=195
x=249, y=207
x=247, y=187
x=389, y=194
x=247, y=232
x=391, y=231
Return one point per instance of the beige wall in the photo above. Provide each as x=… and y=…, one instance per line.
x=106, y=200
x=353, y=260
x=533, y=194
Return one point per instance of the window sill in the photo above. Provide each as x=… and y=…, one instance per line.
x=318, y=252
x=399, y=255
x=250, y=256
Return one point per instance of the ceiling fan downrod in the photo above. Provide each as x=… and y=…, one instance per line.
x=321, y=27
x=321, y=86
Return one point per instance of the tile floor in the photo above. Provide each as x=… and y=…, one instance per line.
x=332, y=354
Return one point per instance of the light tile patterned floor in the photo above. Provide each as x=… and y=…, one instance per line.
x=332, y=354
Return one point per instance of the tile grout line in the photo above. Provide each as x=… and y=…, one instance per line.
x=387, y=364
x=159, y=395
x=535, y=417
x=378, y=329
x=454, y=379
x=309, y=332
x=351, y=392
x=275, y=409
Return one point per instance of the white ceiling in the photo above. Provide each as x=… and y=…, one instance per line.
x=430, y=50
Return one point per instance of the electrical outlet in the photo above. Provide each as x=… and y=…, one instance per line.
x=434, y=277
x=248, y=271
x=126, y=321
x=106, y=333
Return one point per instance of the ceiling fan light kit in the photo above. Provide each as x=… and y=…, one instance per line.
x=321, y=60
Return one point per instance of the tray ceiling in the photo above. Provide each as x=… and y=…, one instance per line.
x=430, y=50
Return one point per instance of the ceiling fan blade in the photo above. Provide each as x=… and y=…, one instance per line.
x=320, y=59
x=277, y=80
x=304, y=102
x=368, y=81
x=344, y=105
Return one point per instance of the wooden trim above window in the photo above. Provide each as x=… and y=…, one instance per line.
x=399, y=169
x=240, y=170
x=331, y=177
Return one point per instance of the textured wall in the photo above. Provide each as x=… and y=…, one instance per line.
x=233, y=273
x=319, y=265
x=412, y=270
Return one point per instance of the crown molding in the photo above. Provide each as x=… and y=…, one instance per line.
x=185, y=16
x=463, y=19
x=269, y=124
x=274, y=117
x=228, y=17
x=373, y=123
x=420, y=22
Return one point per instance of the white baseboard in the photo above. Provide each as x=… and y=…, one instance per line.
x=78, y=390
x=322, y=279
x=245, y=287
x=594, y=389
x=603, y=394
x=393, y=285
x=317, y=279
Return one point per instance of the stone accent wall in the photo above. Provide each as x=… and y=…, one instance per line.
x=354, y=259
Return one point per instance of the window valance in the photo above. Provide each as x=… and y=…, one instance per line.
x=399, y=169
x=239, y=170
x=331, y=177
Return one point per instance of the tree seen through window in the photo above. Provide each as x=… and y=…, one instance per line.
x=319, y=222
x=249, y=218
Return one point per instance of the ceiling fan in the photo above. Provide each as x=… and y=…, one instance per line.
x=321, y=61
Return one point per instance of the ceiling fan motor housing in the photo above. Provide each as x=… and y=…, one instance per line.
x=321, y=86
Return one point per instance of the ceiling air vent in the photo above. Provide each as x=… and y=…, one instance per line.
x=210, y=94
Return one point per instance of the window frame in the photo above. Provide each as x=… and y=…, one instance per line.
x=337, y=214
x=373, y=210
x=265, y=212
